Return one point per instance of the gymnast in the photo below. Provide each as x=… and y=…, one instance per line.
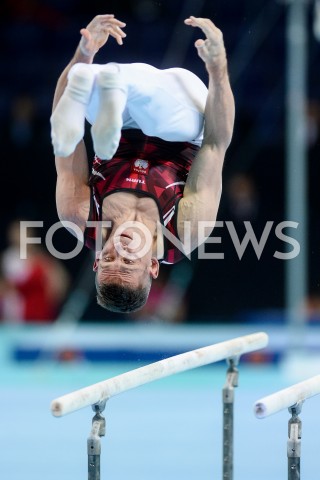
x=160, y=138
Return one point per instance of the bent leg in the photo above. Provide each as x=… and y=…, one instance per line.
x=168, y=104
x=67, y=120
x=163, y=103
x=106, y=130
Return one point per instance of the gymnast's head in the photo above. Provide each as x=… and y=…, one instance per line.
x=124, y=273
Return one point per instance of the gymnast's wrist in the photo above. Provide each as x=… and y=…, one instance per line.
x=83, y=57
x=217, y=65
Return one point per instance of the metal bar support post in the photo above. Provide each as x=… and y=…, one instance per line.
x=228, y=404
x=294, y=442
x=98, y=430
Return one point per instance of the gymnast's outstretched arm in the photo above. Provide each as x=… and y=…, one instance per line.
x=203, y=188
x=72, y=191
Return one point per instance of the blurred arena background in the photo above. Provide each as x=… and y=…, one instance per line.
x=39, y=38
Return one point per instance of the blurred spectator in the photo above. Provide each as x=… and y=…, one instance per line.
x=313, y=122
x=32, y=289
x=313, y=307
x=241, y=198
x=21, y=128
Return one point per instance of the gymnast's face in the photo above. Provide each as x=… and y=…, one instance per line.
x=120, y=263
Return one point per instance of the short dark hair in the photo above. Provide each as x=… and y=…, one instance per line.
x=122, y=298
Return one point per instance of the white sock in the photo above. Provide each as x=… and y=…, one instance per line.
x=67, y=120
x=106, y=131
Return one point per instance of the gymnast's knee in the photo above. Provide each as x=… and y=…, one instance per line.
x=81, y=71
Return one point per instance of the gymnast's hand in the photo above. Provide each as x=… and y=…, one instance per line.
x=96, y=34
x=211, y=50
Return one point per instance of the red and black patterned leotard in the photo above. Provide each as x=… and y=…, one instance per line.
x=148, y=166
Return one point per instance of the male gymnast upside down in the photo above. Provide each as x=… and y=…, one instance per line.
x=160, y=138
